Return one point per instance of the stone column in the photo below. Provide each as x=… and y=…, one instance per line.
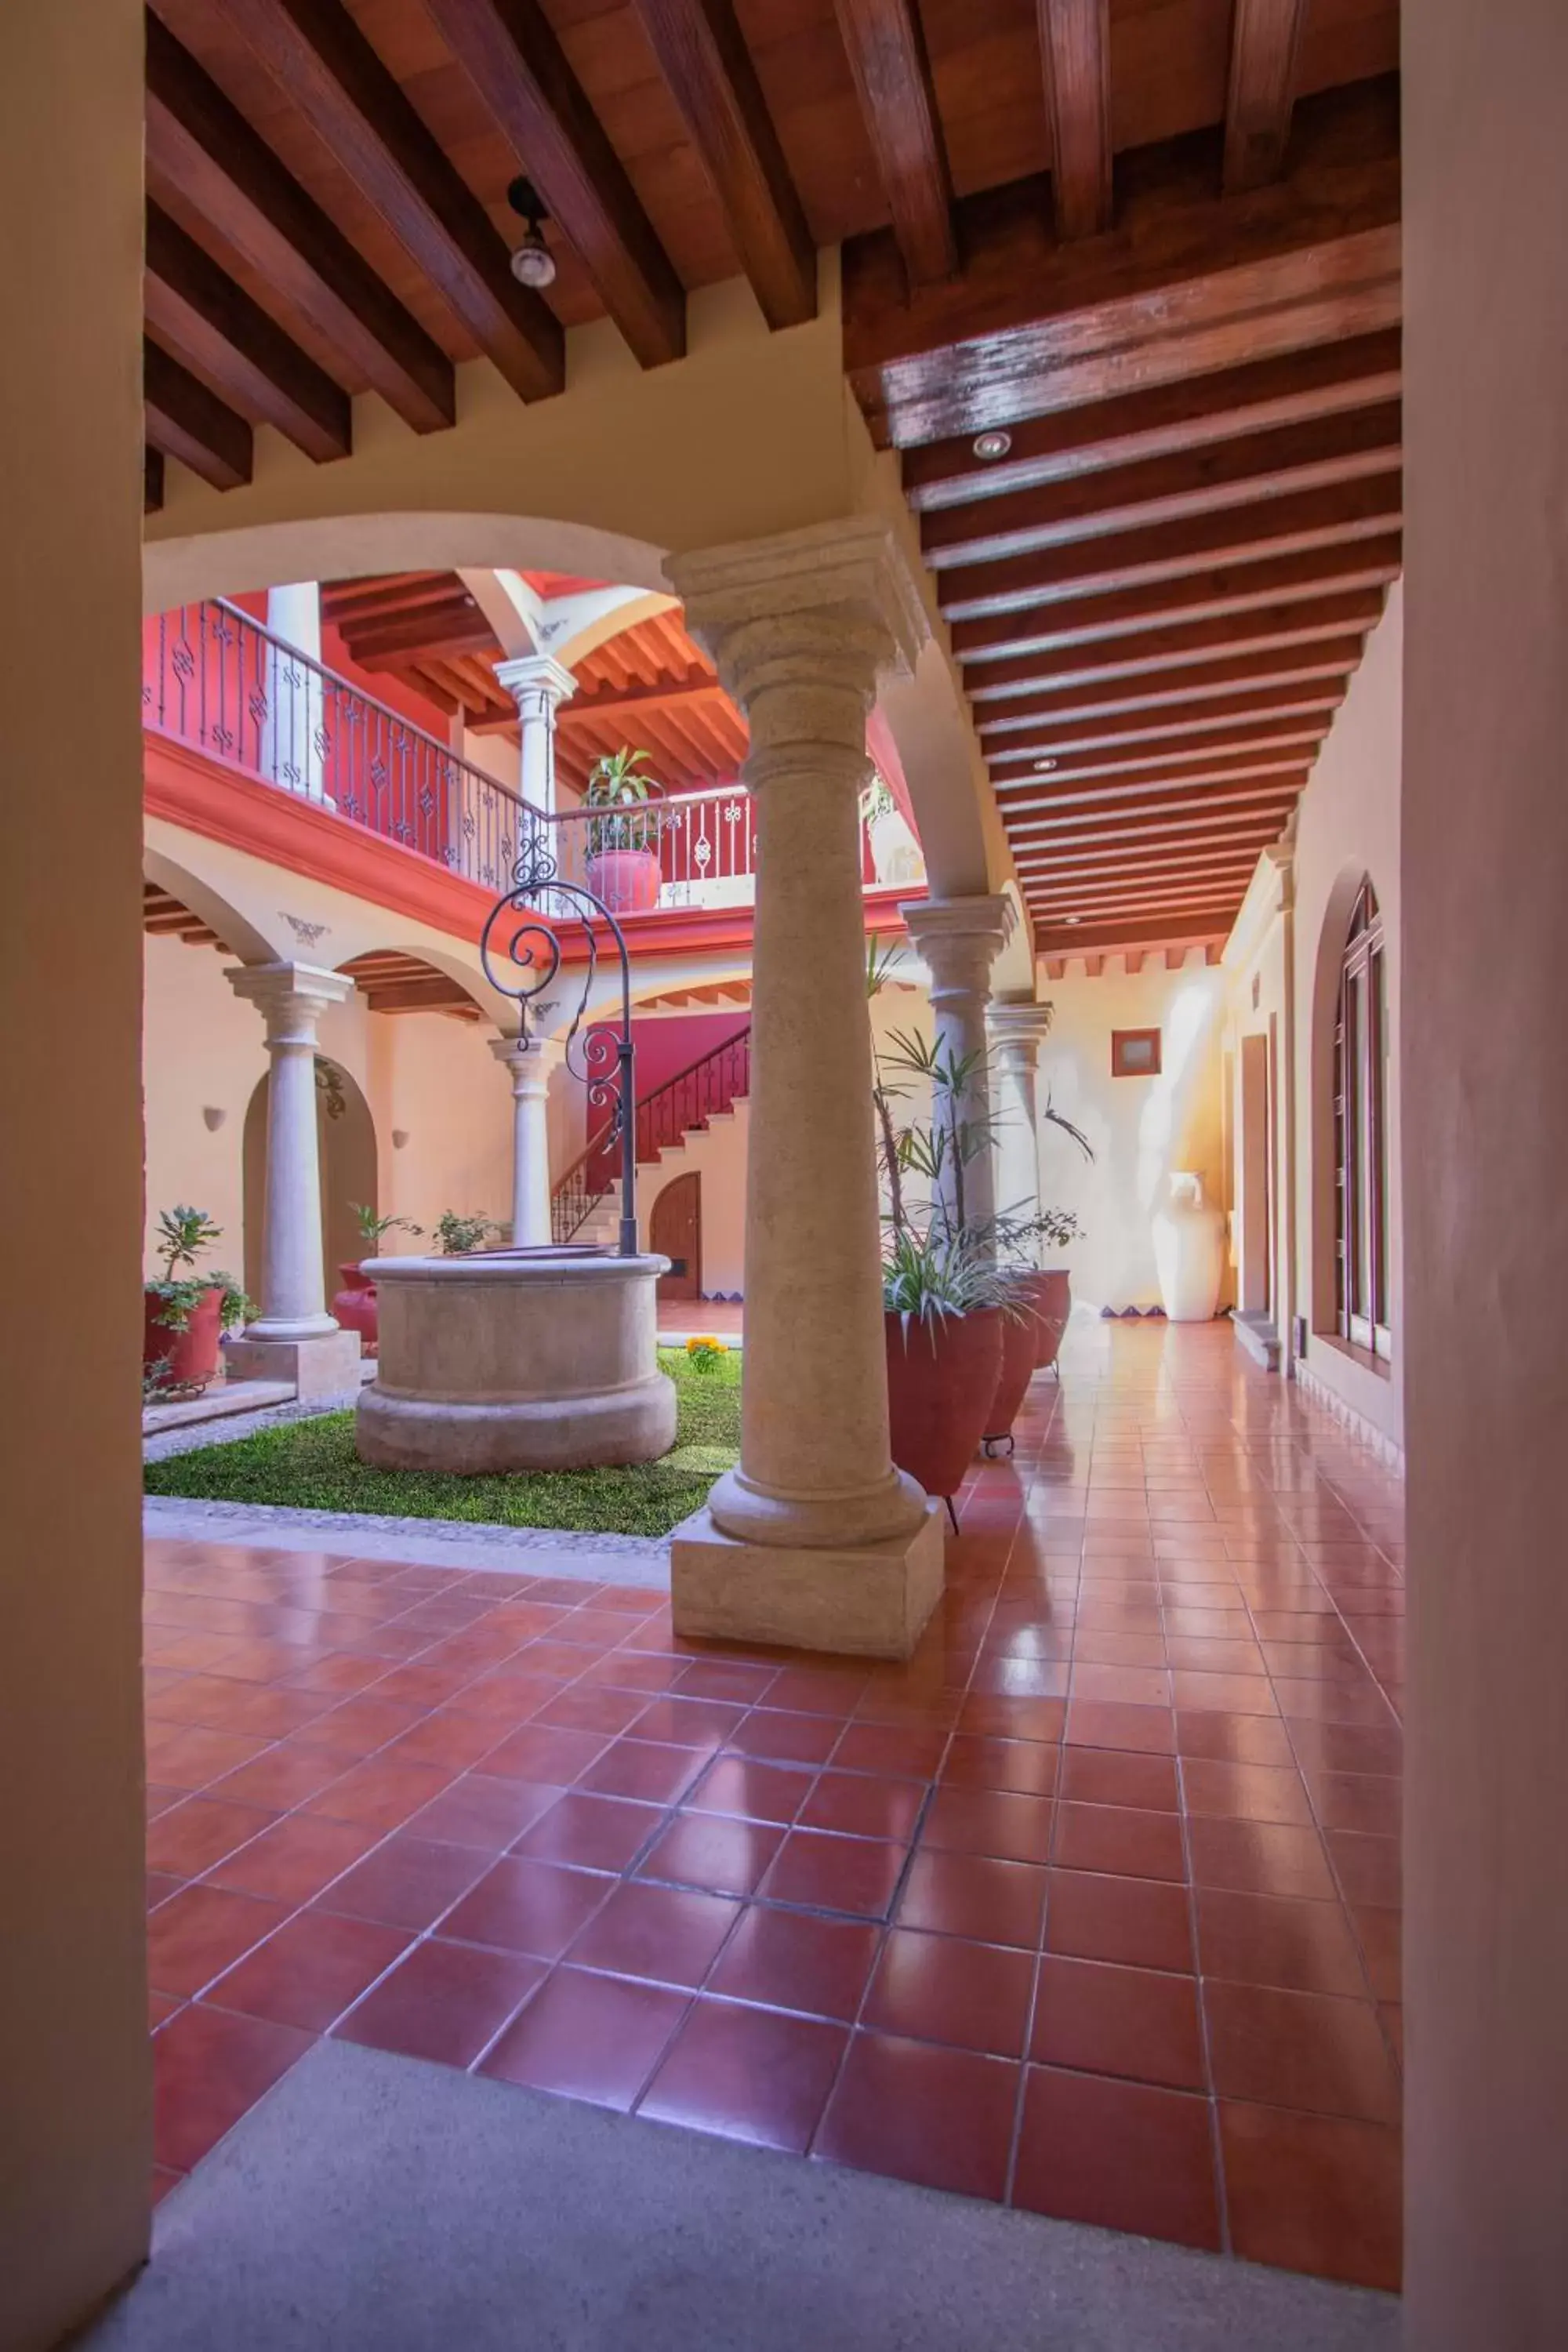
x=1015, y=1034
x=293, y=1337
x=530, y=1062
x=815, y=1540
x=292, y=730
x=958, y=940
x=539, y=685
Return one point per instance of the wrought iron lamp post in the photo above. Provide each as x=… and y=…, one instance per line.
x=520, y=949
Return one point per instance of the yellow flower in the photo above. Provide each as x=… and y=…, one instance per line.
x=696, y=1347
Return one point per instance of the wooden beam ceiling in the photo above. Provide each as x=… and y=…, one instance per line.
x=317, y=54
x=885, y=44
x=1075, y=54
x=201, y=147
x=704, y=60
x=187, y=420
x=519, y=69
x=393, y=981
x=1264, y=43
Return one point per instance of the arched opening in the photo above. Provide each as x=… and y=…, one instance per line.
x=346, y=1153
x=1351, y=1177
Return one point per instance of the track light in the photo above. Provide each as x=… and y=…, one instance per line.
x=532, y=263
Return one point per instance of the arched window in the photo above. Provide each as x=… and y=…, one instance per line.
x=1361, y=1135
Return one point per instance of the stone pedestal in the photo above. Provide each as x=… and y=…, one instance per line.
x=528, y=1360
x=799, y=628
x=321, y=1368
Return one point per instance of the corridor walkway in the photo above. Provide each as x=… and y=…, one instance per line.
x=1092, y=1908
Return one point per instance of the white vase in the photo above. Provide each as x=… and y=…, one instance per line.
x=1189, y=1250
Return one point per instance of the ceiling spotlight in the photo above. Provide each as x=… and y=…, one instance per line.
x=992, y=446
x=1044, y=767
x=1071, y=920
x=532, y=264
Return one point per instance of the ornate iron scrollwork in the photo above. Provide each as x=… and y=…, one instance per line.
x=520, y=949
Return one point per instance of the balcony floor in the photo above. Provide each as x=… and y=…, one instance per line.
x=1091, y=1908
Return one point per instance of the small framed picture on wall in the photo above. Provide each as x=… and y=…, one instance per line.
x=1135, y=1052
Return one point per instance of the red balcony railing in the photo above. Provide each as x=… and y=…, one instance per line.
x=213, y=678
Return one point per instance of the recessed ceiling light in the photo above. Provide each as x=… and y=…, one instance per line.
x=1044, y=767
x=992, y=446
x=1072, y=920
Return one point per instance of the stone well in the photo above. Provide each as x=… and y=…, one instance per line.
x=516, y=1359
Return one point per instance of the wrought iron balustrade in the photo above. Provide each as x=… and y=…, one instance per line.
x=216, y=679
x=664, y=1117
x=703, y=845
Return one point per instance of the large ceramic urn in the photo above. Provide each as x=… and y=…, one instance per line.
x=1189, y=1249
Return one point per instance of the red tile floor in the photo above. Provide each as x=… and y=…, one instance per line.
x=1092, y=1906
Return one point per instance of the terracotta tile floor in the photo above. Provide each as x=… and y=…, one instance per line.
x=1092, y=1906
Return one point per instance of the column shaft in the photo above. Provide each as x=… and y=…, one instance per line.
x=293, y=1294
x=1015, y=1034
x=959, y=939
x=529, y=1066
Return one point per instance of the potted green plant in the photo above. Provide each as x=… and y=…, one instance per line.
x=186, y=1313
x=623, y=866
x=355, y=1306
x=456, y=1237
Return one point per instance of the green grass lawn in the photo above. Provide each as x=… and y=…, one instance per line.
x=312, y=1466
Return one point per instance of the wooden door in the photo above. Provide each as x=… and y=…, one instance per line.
x=675, y=1232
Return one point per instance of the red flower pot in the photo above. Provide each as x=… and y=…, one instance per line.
x=355, y=1306
x=941, y=1378
x=1020, y=1342
x=191, y=1354
x=626, y=880
x=1050, y=1299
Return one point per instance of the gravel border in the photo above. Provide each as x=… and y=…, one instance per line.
x=226, y=1429
x=367, y=1534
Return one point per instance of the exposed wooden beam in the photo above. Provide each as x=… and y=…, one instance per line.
x=1164, y=860
x=1027, y=692
x=1293, y=389
x=1227, y=720
x=1285, y=458
x=1295, y=523
x=213, y=323
x=1265, y=38
x=1057, y=856
x=1293, y=741
x=1170, y=805
x=151, y=480
x=1102, y=791
x=521, y=72
x=318, y=55
x=1274, y=603
x=614, y=700
x=186, y=421
x=1075, y=55
x=1081, y=939
x=200, y=143
x=1187, y=281
x=440, y=630
x=704, y=60
x=344, y=600
x=885, y=44
x=1189, y=902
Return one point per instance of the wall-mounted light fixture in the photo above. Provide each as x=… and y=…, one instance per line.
x=213, y=1118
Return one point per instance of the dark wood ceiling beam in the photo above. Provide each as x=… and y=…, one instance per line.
x=151, y=480
x=1025, y=692
x=1228, y=719
x=885, y=44
x=1287, y=459
x=201, y=145
x=1196, y=904
x=1043, y=794
x=1174, y=807
x=520, y=70
x=1133, y=858
x=1273, y=602
x=652, y=696
x=418, y=682
x=1264, y=39
x=213, y=325
x=1187, y=281
x=324, y=64
x=350, y=600
x=1294, y=524
x=443, y=630
x=1292, y=389
x=1252, y=838
x=186, y=421
x=704, y=57
x=1263, y=739
x=1067, y=939
x=1075, y=56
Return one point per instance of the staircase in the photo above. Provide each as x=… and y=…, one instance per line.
x=583, y=1206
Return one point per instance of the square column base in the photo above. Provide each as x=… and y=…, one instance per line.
x=868, y=1601
x=319, y=1368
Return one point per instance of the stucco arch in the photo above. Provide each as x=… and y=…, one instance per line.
x=1324, y=1012
x=246, y=939
x=451, y=962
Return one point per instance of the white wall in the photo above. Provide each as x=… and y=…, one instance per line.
x=1141, y=1128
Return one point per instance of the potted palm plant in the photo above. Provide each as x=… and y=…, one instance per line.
x=623, y=868
x=355, y=1306
x=186, y=1313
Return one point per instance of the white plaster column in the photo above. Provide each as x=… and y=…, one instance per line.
x=1017, y=1030
x=815, y=1538
x=529, y=1062
x=291, y=732
x=539, y=685
x=958, y=940
x=293, y=1318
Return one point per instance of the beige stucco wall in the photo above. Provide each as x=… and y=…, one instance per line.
x=1140, y=1129
x=74, y=2073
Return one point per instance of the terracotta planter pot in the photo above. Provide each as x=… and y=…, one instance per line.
x=192, y=1353
x=1051, y=1297
x=355, y=1306
x=626, y=879
x=942, y=1379
x=1020, y=1341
